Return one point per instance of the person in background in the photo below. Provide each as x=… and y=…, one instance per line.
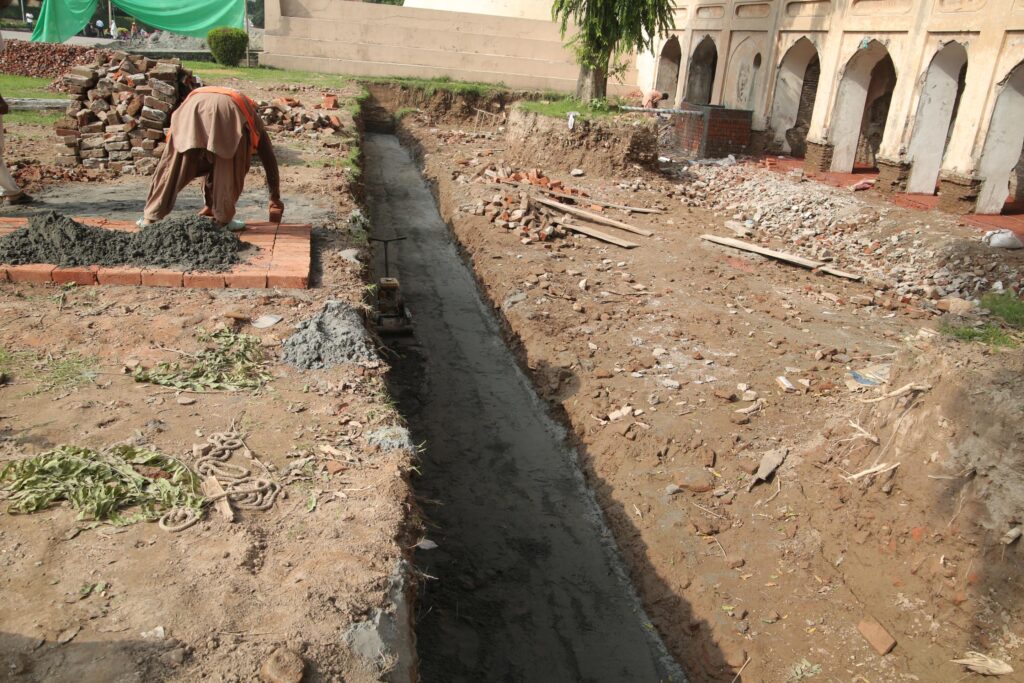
x=9, y=189
x=214, y=134
x=652, y=97
x=133, y=32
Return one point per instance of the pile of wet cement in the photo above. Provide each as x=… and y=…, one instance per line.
x=182, y=242
x=333, y=336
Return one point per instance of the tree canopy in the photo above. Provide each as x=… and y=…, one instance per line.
x=610, y=27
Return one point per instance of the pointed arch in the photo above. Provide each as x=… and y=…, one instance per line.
x=669, y=63
x=862, y=107
x=741, y=81
x=936, y=114
x=796, y=89
x=700, y=80
x=1004, y=145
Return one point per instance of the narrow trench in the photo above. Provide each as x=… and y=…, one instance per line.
x=527, y=584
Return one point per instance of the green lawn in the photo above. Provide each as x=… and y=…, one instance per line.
x=45, y=117
x=559, y=107
x=212, y=74
x=26, y=86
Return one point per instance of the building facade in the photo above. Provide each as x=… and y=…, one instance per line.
x=931, y=92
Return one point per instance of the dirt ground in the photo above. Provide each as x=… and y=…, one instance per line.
x=315, y=574
x=772, y=579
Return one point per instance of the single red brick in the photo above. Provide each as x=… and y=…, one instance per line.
x=32, y=272
x=80, y=275
x=288, y=279
x=119, y=276
x=917, y=533
x=162, y=277
x=247, y=278
x=3, y=274
x=204, y=280
x=876, y=635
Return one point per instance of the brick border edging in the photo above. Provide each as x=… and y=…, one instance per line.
x=284, y=261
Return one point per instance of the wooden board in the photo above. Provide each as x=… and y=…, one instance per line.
x=779, y=255
x=576, y=198
x=212, y=487
x=598, y=234
x=592, y=217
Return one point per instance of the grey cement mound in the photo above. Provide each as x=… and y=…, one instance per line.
x=180, y=242
x=334, y=336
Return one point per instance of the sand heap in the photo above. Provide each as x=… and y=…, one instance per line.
x=181, y=242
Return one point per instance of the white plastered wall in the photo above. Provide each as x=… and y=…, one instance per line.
x=789, y=85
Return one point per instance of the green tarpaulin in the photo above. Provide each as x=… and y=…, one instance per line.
x=61, y=19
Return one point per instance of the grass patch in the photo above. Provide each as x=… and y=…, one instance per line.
x=44, y=117
x=233, y=362
x=27, y=87
x=992, y=335
x=101, y=486
x=560, y=108
x=405, y=111
x=63, y=373
x=1007, y=307
x=431, y=86
x=213, y=74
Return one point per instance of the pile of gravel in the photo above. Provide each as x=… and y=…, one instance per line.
x=182, y=242
x=333, y=336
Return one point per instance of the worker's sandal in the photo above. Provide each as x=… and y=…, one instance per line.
x=20, y=198
x=235, y=225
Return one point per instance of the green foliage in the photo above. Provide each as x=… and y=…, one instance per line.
x=63, y=372
x=992, y=335
x=28, y=86
x=100, y=485
x=560, y=108
x=234, y=362
x=227, y=45
x=609, y=27
x=1007, y=307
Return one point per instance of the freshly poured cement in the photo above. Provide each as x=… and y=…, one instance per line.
x=183, y=242
x=529, y=586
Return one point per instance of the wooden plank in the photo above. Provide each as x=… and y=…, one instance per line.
x=592, y=217
x=597, y=234
x=779, y=255
x=212, y=487
x=576, y=198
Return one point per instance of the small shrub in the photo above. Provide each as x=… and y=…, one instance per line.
x=1007, y=307
x=227, y=45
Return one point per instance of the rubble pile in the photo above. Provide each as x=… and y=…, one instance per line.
x=514, y=210
x=289, y=115
x=119, y=113
x=816, y=221
x=44, y=60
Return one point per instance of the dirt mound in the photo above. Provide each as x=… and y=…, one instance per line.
x=334, y=336
x=599, y=147
x=184, y=242
x=43, y=60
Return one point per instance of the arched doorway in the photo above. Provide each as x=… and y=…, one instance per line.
x=668, y=68
x=700, y=80
x=862, y=107
x=1001, y=156
x=796, y=89
x=936, y=114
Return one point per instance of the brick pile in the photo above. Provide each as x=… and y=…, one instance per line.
x=120, y=111
x=289, y=115
x=44, y=60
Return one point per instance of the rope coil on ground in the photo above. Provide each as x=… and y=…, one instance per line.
x=178, y=519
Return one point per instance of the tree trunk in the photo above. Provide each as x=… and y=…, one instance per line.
x=592, y=84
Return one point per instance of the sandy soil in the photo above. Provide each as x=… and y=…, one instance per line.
x=326, y=557
x=780, y=576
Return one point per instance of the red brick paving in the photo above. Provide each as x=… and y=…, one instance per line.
x=283, y=261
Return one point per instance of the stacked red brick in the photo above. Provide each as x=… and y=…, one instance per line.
x=287, y=114
x=120, y=111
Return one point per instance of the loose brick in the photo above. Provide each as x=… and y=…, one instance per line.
x=79, y=275
x=162, y=277
x=32, y=272
x=247, y=278
x=876, y=635
x=205, y=280
x=119, y=276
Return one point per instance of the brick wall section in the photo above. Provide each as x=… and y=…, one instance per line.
x=958, y=194
x=892, y=176
x=718, y=133
x=818, y=158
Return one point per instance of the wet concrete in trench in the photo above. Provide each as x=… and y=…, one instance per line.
x=528, y=584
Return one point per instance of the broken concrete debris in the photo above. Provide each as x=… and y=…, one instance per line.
x=289, y=115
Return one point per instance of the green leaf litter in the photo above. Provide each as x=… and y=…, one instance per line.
x=121, y=485
x=234, y=362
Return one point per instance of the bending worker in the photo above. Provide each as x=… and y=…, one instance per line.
x=214, y=134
